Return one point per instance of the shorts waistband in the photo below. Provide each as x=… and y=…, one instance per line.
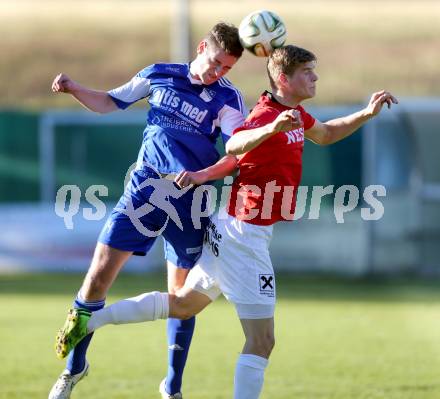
x=149, y=172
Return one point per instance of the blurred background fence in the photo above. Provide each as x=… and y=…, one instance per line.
x=361, y=47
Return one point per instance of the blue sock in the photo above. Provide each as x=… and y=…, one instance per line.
x=180, y=334
x=76, y=360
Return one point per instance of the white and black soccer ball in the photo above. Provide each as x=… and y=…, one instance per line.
x=261, y=32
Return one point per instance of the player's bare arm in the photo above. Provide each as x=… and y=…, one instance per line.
x=224, y=167
x=337, y=129
x=247, y=140
x=94, y=100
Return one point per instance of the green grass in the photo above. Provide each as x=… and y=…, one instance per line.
x=336, y=339
x=361, y=46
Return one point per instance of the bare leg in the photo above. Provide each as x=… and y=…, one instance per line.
x=249, y=373
x=176, y=277
x=187, y=303
x=259, y=335
x=105, y=266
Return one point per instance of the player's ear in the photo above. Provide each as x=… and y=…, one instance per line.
x=201, y=48
x=282, y=80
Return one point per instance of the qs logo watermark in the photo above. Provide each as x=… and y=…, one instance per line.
x=163, y=192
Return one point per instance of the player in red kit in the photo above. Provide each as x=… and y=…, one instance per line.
x=264, y=192
x=235, y=259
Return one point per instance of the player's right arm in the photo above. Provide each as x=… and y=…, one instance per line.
x=94, y=100
x=246, y=140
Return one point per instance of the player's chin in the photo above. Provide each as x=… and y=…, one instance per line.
x=208, y=80
x=312, y=92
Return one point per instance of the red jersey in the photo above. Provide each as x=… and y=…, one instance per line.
x=264, y=191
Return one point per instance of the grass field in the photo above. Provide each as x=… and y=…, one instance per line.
x=361, y=45
x=335, y=340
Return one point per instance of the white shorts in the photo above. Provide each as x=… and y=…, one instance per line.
x=235, y=261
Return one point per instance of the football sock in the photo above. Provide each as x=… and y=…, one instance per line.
x=76, y=360
x=145, y=307
x=249, y=376
x=180, y=334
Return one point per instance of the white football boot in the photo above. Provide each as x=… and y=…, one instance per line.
x=64, y=385
x=165, y=394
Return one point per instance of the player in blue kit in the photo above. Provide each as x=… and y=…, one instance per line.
x=191, y=105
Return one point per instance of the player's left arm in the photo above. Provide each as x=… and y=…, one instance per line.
x=337, y=129
x=224, y=167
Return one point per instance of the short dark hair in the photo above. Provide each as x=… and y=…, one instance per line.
x=286, y=60
x=225, y=36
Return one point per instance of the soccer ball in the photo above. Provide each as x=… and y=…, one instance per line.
x=261, y=32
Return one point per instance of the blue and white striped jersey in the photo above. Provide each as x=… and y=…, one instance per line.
x=185, y=118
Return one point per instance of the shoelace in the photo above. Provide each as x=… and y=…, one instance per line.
x=64, y=382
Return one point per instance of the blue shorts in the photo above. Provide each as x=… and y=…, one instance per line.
x=153, y=206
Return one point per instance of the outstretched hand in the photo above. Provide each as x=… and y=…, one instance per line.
x=378, y=99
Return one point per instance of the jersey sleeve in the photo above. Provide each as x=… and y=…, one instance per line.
x=134, y=90
x=230, y=118
x=233, y=113
x=257, y=118
x=308, y=119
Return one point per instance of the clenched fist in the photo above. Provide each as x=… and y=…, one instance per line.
x=287, y=120
x=63, y=84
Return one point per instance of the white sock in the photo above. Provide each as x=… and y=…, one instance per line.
x=145, y=307
x=249, y=376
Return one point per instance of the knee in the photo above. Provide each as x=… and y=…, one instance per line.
x=261, y=345
x=180, y=308
x=268, y=343
x=174, y=289
x=271, y=344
